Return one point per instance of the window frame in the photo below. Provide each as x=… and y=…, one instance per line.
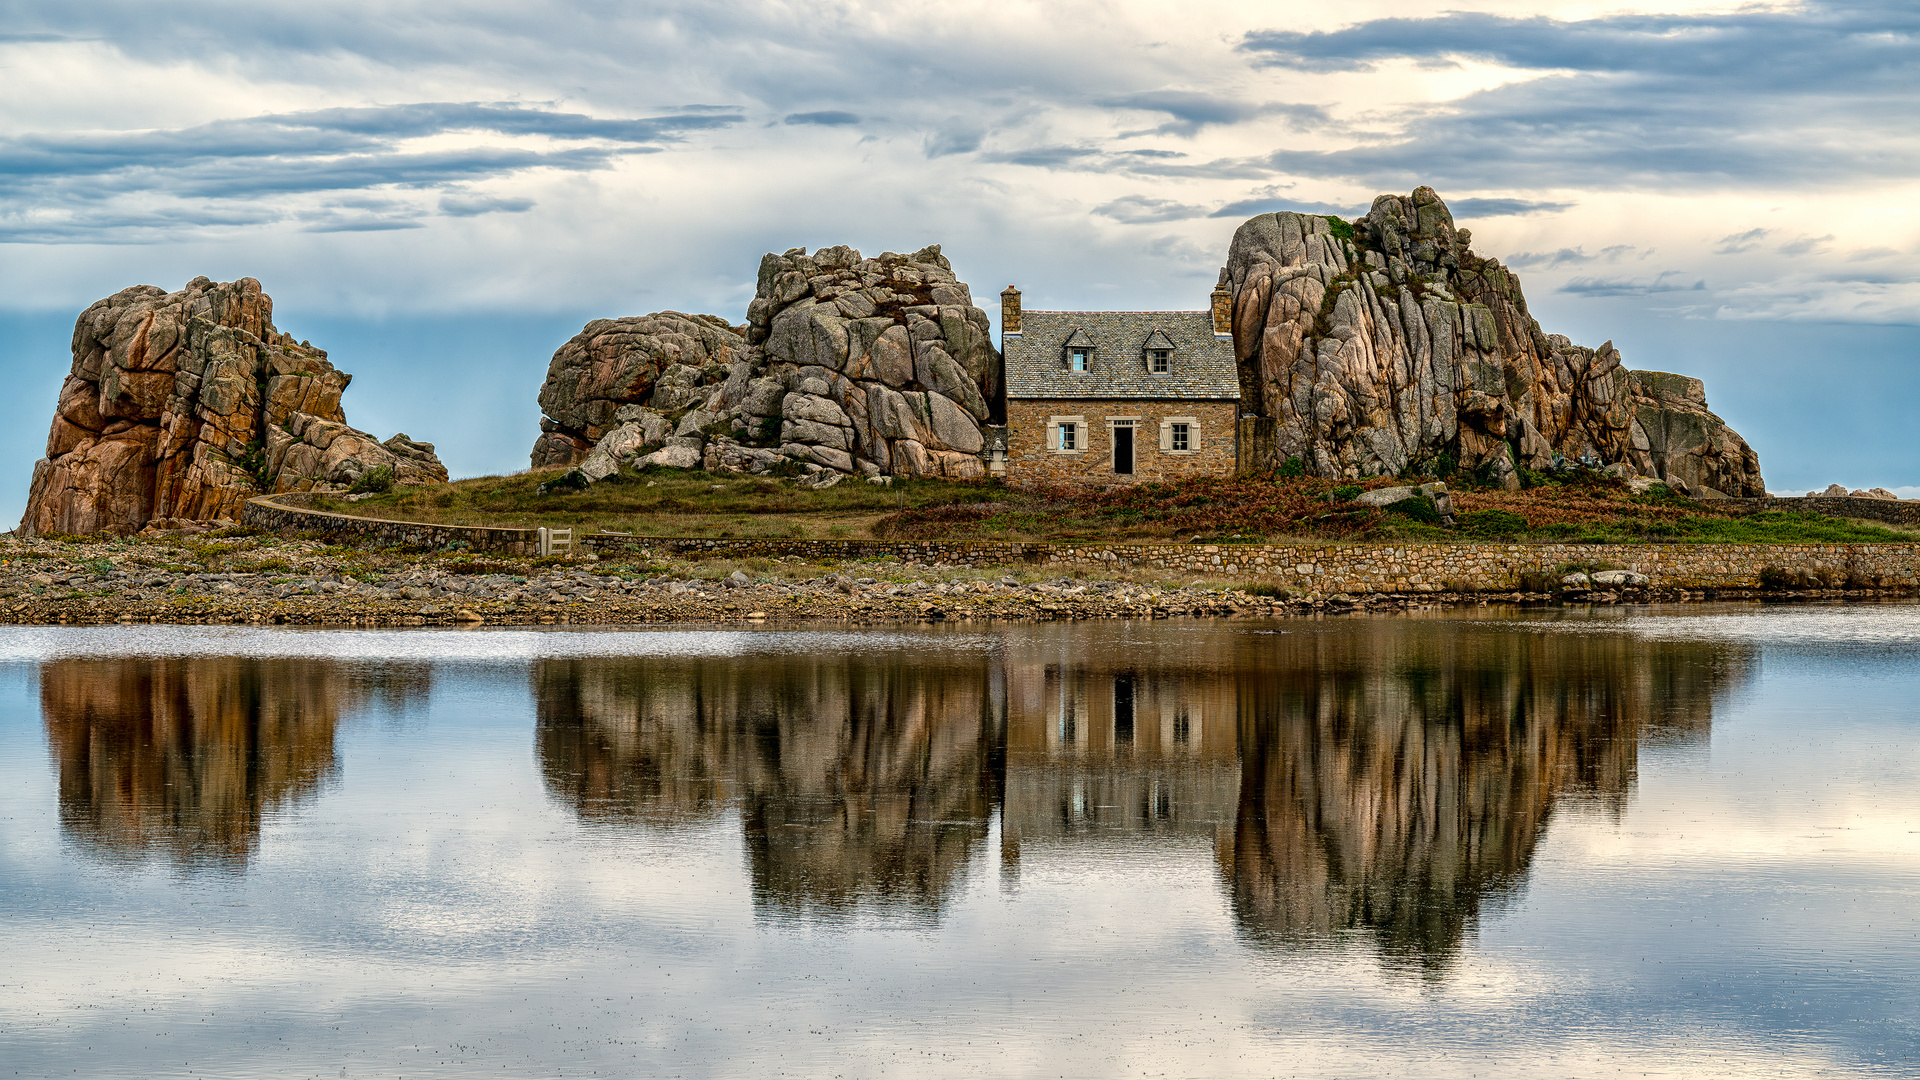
x=1077, y=424
x=1082, y=355
x=1194, y=441
x=1156, y=358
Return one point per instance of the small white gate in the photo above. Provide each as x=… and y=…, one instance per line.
x=556, y=541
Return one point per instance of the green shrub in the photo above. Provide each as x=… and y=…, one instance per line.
x=1418, y=507
x=1291, y=469
x=1340, y=227
x=1346, y=492
x=1491, y=524
x=253, y=462
x=375, y=481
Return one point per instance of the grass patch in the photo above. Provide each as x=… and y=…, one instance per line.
x=667, y=502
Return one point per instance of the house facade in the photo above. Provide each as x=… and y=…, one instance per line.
x=1114, y=397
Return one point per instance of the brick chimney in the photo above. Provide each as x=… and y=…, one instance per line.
x=1009, y=311
x=1222, y=308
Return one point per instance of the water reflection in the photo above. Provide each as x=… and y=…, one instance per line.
x=182, y=758
x=1379, y=780
x=1387, y=779
x=1395, y=783
x=855, y=778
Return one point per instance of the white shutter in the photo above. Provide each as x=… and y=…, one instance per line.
x=1166, y=434
x=1053, y=435
x=1193, y=435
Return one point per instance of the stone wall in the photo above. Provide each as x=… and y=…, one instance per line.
x=1891, y=511
x=282, y=514
x=1029, y=460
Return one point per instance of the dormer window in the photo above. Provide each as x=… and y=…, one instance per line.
x=1158, y=352
x=1079, y=352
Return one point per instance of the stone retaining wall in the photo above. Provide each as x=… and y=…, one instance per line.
x=1313, y=569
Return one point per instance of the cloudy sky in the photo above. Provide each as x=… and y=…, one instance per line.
x=440, y=194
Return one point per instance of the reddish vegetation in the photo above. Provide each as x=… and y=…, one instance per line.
x=1304, y=507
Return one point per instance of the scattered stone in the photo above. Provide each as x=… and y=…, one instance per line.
x=1575, y=580
x=1620, y=578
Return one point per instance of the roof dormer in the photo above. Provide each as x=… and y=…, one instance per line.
x=1157, y=354
x=1077, y=353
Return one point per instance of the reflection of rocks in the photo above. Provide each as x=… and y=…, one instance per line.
x=185, y=756
x=857, y=780
x=1394, y=781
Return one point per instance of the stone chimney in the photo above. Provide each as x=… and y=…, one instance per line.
x=1222, y=308
x=1009, y=311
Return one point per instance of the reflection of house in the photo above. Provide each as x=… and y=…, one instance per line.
x=1118, y=396
x=184, y=757
x=1097, y=753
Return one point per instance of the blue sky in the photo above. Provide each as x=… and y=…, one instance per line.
x=440, y=194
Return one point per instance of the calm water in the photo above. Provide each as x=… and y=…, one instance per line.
x=1669, y=842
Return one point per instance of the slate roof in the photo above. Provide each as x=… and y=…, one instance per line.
x=1036, y=364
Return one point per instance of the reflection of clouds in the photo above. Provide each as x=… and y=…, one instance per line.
x=184, y=757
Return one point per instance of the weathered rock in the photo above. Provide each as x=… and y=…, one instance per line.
x=184, y=405
x=619, y=362
x=842, y=362
x=1675, y=436
x=1620, y=579
x=1371, y=346
x=673, y=457
x=1387, y=496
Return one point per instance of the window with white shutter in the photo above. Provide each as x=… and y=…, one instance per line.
x=1180, y=435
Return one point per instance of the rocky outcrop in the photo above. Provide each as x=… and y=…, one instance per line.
x=1839, y=491
x=185, y=405
x=879, y=367
x=1372, y=346
x=1675, y=438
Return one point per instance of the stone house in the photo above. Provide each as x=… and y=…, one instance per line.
x=1114, y=397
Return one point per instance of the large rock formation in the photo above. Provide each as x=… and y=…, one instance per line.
x=185, y=405
x=1371, y=346
x=873, y=366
